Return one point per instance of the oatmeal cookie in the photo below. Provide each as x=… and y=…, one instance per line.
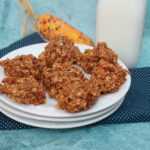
x=67, y=84
x=77, y=95
x=22, y=66
x=59, y=50
x=1, y=89
x=24, y=90
x=108, y=77
x=53, y=78
x=90, y=58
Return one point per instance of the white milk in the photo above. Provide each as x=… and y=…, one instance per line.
x=120, y=24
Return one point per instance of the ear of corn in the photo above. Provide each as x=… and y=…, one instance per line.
x=49, y=25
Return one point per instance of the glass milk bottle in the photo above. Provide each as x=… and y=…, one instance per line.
x=120, y=24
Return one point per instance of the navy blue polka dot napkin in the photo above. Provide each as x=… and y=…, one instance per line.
x=135, y=108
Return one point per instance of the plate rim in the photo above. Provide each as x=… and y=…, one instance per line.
x=54, y=126
x=73, y=119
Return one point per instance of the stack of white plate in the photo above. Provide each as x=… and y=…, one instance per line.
x=47, y=115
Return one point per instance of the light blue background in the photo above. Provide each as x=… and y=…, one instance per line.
x=81, y=14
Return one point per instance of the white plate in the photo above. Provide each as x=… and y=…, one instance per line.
x=57, y=125
x=49, y=109
x=42, y=118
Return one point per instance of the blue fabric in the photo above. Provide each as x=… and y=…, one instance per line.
x=135, y=107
